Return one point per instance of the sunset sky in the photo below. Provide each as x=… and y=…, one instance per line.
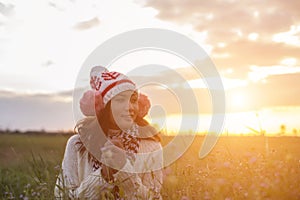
x=255, y=46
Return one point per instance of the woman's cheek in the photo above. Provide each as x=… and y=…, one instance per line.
x=117, y=106
x=116, y=112
x=136, y=108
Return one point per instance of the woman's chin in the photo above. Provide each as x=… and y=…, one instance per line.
x=125, y=124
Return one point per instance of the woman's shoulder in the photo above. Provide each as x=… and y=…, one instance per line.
x=150, y=139
x=73, y=140
x=85, y=122
x=149, y=145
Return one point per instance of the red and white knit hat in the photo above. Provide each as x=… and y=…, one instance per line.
x=105, y=85
x=109, y=84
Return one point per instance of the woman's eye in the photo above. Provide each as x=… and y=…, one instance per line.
x=120, y=99
x=133, y=99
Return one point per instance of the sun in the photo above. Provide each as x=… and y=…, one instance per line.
x=239, y=100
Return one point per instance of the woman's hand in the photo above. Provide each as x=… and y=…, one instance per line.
x=113, y=158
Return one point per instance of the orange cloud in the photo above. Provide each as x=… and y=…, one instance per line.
x=84, y=25
x=245, y=28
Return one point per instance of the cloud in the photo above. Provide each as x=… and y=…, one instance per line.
x=279, y=86
x=35, y=111
x=48, y=63
x=265, y=87
x=243, y=54
x=276, y=90
x=6, y=12
x=232, y=22
x=54, y=111
x=249, y=16
x=61, y=5
x=84, y=25
x=6, y=9
x=260, y=73
x=68, y=93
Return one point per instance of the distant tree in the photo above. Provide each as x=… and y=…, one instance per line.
x=190, y=132
x=282, y=129
x=295, y=132
x=17, y=131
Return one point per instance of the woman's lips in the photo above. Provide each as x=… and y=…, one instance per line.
x=127, y=117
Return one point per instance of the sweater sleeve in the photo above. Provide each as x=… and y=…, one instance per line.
x=153, y=177
x=68, y=183
x=146, y=186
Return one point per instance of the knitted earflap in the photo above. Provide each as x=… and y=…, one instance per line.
x=87, y=103
x=144, y=105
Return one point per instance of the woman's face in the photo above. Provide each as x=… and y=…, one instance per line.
x=124, y=108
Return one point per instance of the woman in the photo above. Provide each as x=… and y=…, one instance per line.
x=115, y=154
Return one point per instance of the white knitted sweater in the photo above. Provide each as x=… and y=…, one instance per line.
x=79, y=181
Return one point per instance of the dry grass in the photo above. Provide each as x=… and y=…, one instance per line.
x=237, y=168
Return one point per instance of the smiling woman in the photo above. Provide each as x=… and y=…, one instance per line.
x=103, y=160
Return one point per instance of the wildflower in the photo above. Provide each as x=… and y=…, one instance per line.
x=173, y=180
x=288, y=157
x=166, y=172
x=206, y=195
x=252, y=160
x=226, y=164
x=57, y=167
x=184, y=198
x=237, y=185
x=221, y=181
x=264, y=185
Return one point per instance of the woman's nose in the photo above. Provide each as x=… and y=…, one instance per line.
x=129, y=106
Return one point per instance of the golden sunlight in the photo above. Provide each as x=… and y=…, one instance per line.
x=238, y=100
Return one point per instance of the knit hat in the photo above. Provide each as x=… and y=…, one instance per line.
x=108, y=84
x=105, y=85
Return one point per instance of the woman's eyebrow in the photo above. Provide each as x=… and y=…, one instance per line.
x=121, y=95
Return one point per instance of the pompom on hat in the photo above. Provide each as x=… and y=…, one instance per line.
x=95, y=76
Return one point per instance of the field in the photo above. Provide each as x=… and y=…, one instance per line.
x=238, y=168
